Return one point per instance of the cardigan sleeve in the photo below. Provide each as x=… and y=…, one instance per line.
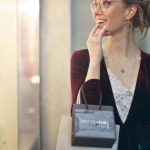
x=91, y=88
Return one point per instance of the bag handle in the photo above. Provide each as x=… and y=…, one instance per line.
x=85, y=101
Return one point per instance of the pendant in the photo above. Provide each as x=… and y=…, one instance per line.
x=128, y=93
x=122, y=70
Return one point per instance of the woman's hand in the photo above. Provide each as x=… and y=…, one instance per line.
x=94, y=44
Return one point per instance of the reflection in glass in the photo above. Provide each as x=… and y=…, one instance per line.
x=29, y=79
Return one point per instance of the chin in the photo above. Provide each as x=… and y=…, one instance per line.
x=107, y=33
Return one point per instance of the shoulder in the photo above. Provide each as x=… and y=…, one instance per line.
x=145, y=54
x=80, y=56
x=145, y=57
x=80, y=60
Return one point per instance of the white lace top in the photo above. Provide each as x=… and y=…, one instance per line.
x=123, y=97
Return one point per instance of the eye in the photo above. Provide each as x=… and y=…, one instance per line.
x=95, y=4
x=106, y=2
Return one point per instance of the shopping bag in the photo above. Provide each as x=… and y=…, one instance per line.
x=93, y=125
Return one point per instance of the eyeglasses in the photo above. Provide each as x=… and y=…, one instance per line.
x=103, y=4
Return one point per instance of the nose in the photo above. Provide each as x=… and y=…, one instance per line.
x=98, y=10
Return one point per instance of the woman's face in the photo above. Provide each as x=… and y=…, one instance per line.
x=109, y=13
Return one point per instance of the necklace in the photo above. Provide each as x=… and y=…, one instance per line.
x=126, y=76
x=128, y=91
x=129, y=77
x=122, y=66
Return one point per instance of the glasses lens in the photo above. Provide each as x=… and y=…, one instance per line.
x=103, y=4
x=93, y=5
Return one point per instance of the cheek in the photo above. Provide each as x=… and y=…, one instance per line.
x=114, y=20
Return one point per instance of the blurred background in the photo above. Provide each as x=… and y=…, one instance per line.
x=37, y=39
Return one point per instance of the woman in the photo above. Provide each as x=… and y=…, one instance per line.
x=118, y=68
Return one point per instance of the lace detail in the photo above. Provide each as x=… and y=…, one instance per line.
x=123, y=96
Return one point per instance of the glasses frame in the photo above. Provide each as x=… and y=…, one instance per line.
x=100, y=4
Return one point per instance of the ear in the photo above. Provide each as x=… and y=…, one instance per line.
x=130, y=11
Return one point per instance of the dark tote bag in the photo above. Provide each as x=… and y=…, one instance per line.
x=93, y=125
x=144, y=146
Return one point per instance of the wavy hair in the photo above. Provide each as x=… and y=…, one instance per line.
x=141, y=19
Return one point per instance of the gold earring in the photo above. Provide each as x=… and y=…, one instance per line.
x=127, y=26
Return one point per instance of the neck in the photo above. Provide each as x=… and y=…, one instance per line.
x=121, y=45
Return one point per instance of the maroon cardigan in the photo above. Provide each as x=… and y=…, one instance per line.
x=136, y=129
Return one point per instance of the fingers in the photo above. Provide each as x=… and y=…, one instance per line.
x=101, y=33
x=94, y=30
x=97, y=33
x=94, y=42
